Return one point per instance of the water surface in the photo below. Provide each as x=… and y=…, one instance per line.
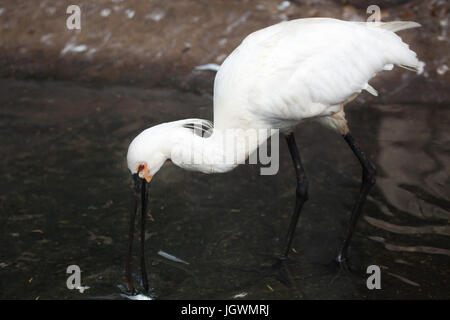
x=65, y=196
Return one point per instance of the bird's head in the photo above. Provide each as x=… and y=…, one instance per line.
x=154, y=146
x=149, y=151
x=145, y=164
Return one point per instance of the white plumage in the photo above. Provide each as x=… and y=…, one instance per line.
x=304, y=68
x=276, y=78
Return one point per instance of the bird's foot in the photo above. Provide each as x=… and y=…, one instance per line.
x=281, y=272
x=278, y=270
x=339, y=267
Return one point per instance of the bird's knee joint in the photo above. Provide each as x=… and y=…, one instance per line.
x=302, y=188
x=370, y=174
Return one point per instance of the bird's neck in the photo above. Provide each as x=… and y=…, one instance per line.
x=222, y=151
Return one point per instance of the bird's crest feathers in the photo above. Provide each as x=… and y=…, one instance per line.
x=199, y=126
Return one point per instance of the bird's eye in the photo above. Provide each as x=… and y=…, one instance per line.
x=141, y=167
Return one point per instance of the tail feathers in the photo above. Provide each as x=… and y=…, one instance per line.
x=416, y=68
x=411, y=63
x=395, y=26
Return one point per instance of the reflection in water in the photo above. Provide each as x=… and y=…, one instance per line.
x=413, y=164
x=405, y=280
x=414, y=161
x=444, y=230
x=423, y=249
x=136, y=297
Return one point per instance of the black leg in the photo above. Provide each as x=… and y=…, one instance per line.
x=368, y=180
x=301, y=193
x=144, y=200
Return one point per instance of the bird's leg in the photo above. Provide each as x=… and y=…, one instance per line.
x=144, y=200
x=368, y=180
x=301, y=194
x=280, y=269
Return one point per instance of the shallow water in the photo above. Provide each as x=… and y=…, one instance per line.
x=65, y=196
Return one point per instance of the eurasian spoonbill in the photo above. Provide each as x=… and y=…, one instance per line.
x=278, y=77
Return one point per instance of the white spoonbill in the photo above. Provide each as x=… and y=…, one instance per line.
x=304, y=69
